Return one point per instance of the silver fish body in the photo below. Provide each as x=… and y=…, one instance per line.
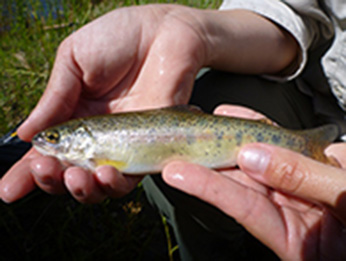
x=144, y=142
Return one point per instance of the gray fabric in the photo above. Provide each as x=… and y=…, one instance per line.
x=319, y=28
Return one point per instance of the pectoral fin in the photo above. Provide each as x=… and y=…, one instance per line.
x=119, y=165
x=266, y=121
x=333, y=162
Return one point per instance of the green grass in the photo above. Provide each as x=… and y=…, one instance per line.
x=28, y=48
x=41, y=226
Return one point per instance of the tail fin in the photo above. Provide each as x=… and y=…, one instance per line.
x=323, y=135
x=318, y=139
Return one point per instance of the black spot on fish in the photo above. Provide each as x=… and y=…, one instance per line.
x=219, y=135
x=259, y=137
x=276, y=139
x=290, y=142
x=239, y=137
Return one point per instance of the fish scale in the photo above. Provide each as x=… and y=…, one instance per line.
x=144, y=142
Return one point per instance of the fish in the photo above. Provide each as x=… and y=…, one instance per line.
x=143, y=142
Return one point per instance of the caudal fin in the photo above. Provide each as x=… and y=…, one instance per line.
x=318, y=139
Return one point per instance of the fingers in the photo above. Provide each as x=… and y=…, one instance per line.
x=338, y=152
x=31, y=171
x=238, y=111
x=48, y=174
x=295, y=174
x=82, y=186
x=18, y=181
x=243, y=203
x=60, y=97
x=93, y=188
x=115, y=184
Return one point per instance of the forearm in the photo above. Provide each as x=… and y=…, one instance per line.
x=244, y=42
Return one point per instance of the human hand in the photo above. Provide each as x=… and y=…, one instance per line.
x=131, y=58
x=137, y=58
x=294, y=205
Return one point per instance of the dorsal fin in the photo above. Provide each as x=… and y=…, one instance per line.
x=184, y=108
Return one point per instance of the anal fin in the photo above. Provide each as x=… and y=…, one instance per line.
x=267, y=121
x=119, y=165
x=331, y=160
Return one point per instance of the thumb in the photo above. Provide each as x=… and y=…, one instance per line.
x=170, y=67
x=60, y=97
x=295, y=174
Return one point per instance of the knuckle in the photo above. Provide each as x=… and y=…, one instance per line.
x=65, y=47
x=288, y=176
x=207, y=187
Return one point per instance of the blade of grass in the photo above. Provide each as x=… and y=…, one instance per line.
x=170, y=248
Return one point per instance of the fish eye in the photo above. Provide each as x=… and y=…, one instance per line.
x=80, y=130
x=52, y=136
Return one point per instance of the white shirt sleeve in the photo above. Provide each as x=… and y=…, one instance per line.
x=303, y=19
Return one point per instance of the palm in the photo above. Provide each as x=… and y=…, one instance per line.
x=137, y=72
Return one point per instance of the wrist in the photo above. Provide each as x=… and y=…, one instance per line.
x=242, y=41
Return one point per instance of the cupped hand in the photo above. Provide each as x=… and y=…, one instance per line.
x=137, y=58
x=129, y=59
x=294, y=205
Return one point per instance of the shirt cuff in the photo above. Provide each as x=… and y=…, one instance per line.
x=283, y=15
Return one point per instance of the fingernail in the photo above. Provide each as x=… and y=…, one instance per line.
x=40, y=174
x=5, y=195
x=254, y=160
x=177, y=177
x=79, y=193
x=46, y=181
x=173, y=177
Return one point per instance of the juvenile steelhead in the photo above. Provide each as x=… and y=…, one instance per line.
x=143, y=142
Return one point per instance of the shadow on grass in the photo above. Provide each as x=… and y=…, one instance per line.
x=42, y=227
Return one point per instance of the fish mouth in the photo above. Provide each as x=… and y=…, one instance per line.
x=42, y=146
x=38, y=140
